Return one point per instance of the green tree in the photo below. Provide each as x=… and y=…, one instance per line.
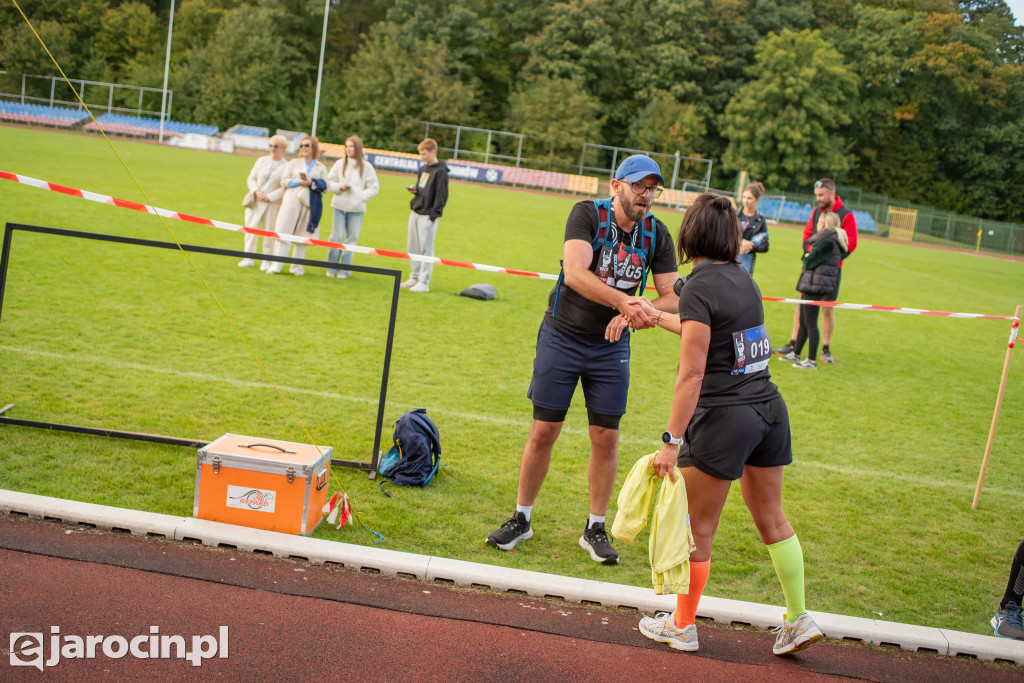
x=21, y=53
x=667, y=125
x=783, y=127
x=390, y=86
x=239, y=76
x=559, y=116
x=128, y=32
x=731, y=30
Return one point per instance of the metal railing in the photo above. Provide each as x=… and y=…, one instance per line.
x=55, y=96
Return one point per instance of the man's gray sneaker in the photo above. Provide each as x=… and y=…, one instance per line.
x=796, y=636
x=595, y=541
x=511, y=532
x=662, y=628
x=1007, y=623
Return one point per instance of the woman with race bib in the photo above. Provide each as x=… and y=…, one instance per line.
x=728, y=420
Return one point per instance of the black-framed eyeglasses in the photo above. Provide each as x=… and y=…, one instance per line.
x=305, y=144
x=640, y=189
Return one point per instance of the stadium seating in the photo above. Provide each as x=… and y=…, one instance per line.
x=41, y=114
x=799, y=213
x=253, y=131
x=136, y=125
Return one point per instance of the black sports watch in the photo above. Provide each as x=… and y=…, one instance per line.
x=674, y=440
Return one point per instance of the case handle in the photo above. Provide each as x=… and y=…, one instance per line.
x=266, y=445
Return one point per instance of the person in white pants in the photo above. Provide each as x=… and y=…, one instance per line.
x=293, y=218
x=263, y=202
x=431, y=194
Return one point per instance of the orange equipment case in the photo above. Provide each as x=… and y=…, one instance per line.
x=262, y=483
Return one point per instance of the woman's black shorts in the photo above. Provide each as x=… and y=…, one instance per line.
x=721, y=440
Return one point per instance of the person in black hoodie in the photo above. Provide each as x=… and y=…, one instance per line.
x=753, y=227
x=431, y=194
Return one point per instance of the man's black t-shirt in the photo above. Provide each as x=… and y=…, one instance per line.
x=580, y=317
x=724, y=297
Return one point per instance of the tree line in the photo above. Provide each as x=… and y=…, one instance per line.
x=918, y=99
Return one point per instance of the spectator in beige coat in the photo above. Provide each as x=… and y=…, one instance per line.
x=353, y=182
x=304, y=177
x=263, y=200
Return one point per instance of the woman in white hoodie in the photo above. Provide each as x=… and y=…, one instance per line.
x=354, y=182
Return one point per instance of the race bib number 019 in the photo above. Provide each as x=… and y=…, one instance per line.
x=753, y=350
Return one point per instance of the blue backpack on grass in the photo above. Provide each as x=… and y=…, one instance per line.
x=416, y=455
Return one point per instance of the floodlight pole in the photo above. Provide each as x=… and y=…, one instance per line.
x=167, y=70
x=320, y=70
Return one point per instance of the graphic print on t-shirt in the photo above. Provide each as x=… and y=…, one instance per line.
x=622, y=268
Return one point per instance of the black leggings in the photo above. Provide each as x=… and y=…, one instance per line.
x=808, y=330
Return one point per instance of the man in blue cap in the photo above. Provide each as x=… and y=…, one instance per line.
x=610, y=244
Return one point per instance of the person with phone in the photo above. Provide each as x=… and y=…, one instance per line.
x=353, y=181
x=430, y=196
x=305, y=181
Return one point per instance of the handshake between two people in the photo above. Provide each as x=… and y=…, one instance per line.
x=636, y=312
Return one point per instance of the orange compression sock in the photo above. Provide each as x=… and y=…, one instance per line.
x=686, y=605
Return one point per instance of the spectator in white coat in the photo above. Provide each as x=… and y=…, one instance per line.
x=354, y=182
x=263, y=201
x=304, y=181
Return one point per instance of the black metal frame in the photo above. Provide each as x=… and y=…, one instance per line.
x=371, y=466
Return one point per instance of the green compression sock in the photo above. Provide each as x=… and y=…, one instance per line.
x=788, y=558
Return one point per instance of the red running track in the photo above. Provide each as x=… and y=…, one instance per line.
x=290, y=620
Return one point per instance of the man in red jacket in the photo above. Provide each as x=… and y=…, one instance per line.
x=828, y=200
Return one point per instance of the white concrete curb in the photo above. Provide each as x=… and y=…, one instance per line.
x=538, y=584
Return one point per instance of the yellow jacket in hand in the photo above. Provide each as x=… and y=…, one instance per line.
x=671, y=538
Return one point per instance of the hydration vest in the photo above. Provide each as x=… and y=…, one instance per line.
x=602, y=239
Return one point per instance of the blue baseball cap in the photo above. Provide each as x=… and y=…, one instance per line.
x=638, y=167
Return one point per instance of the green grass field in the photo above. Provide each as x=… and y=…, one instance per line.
x=888, y=442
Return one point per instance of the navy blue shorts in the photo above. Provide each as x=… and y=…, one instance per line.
x=562, y=361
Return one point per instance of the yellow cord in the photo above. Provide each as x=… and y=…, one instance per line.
x=183, y=252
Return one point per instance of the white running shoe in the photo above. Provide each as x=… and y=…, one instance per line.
x=796, y=636
x=420, y=287
x=246, y=263
x=409, y=283
x=662, y=628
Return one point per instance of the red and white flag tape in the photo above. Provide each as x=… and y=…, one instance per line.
x=166, y=213
x=1013, y=333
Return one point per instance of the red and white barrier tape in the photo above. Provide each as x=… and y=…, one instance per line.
x=166, y=213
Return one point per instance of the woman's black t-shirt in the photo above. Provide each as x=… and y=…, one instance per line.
x=725, y=298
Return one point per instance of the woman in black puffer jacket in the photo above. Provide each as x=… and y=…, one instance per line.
x=822, y=253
